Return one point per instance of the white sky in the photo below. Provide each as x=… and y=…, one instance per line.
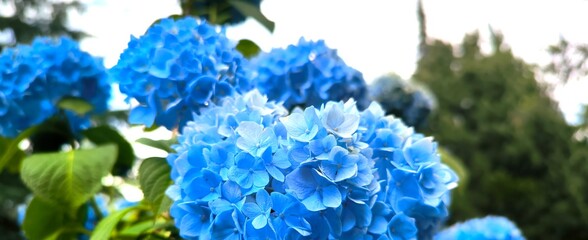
x=374, y=36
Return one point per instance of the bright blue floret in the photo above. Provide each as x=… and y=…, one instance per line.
x=34, y=78
x=308, y=74
x=245, y=168
x=490, y=227
x=176, y=68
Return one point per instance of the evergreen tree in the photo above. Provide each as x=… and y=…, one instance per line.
x=494, y=115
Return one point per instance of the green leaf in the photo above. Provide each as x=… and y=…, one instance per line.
x=105, y=135
x=13, y=164
x=166, y=203
x=164, y=145
x=141, y=227
x=55, y=235
x=137, y=229
x=68, y=178
x=107, y=225
x=154, y=177
x=42, y=219
x=74, y=104
x=253, y=11
x=10, y=153
x=248, y=48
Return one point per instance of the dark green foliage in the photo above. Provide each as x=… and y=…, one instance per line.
x=50, y=19
x=248, y=48
x=568, y=60
x=12, y=192
x=51, y=135
x=226, y=12
x=495, y=116
x=103, y=135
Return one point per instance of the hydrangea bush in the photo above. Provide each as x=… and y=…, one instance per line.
x=307, y=74
x=490, y=227
x=176, y=68
x=286, y=146
x=34, y=78
x=248, y=169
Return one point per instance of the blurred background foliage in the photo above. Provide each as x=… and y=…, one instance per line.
x=522, y=157
x=31, y=18
x=490, y=113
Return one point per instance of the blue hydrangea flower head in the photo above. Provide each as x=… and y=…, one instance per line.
x=245, y=168
x=490, y=227
x=308, y=74
x=241, y=153
x=34, y=78
x=176, y=68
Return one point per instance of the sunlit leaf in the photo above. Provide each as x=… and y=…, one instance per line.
x=68, y=178
x=77, y=105
x=107, y=225
x=154, y=177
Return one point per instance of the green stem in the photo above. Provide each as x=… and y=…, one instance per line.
x=97, y=211
x=10, y=150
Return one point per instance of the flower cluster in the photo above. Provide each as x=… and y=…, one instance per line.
x=308, y=74
x=490, y=227
x=224, y=12
x=176, y=68
x=34, y=78
x=401, y=99
x=247, y=169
